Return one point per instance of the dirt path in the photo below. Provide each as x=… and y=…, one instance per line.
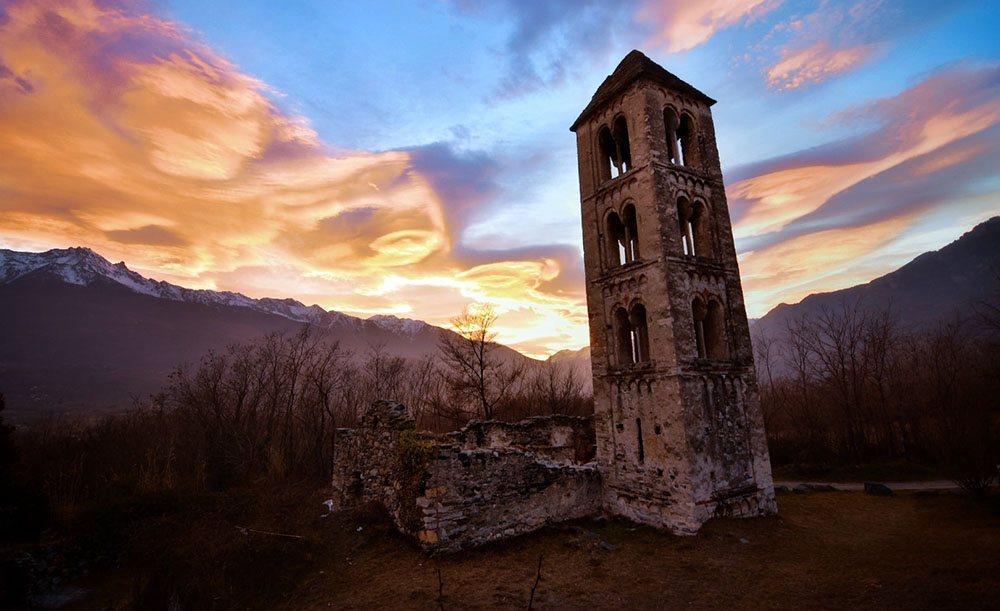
x=931, y=485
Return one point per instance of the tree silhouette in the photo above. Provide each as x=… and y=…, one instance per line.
x=477, y=374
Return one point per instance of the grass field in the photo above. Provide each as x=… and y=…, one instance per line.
x=838, y=550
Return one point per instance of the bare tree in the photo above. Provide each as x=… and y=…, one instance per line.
x=477, y=374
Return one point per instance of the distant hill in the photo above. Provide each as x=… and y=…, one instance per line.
x=579, y=362
x=80, y=333
x=938, y=286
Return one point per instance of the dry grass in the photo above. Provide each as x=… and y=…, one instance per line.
x=824, y=551
x=843, y=550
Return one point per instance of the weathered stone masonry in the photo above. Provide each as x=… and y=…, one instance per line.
x=680, y=434
x=488, y=481
x=677, y=435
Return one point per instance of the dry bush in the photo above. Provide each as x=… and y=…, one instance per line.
x=853, y=388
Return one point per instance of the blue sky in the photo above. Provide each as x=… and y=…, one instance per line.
x=414, y=157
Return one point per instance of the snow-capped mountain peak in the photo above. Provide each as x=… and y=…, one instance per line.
x=83, y=267
x=400, y=326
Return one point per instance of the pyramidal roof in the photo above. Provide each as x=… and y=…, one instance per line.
x=635, y=66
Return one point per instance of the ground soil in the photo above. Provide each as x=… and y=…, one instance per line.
x=824, y=551
x=834, y=550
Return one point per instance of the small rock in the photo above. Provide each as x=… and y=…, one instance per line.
x=742, y=540
x=781, y=489
x=802, y=489
x=589, y=534
x=608, y=546
x=877, y=489
x=360, y=528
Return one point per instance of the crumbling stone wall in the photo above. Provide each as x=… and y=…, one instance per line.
x=487, y=481
x=561, y=438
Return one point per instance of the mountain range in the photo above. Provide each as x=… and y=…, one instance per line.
x=940, y=286
x=81, y=333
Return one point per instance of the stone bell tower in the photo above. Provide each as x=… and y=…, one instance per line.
x=680, y=434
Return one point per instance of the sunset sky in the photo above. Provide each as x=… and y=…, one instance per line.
x=411, y=157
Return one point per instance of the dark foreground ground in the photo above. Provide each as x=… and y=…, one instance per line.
x=835, y=550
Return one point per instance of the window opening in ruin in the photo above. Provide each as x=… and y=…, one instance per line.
x=693, y=221
x=617, y=250
x=632, y=335
x=640, y=333
x=687, y=143
x=610, y=166
x=621, y=140
x=715, y=331
x=670, y=125
x=699, y=311
x=709, y=329
x=638, y=432
x=623, y=330
x=631, y=246
x=684, y=214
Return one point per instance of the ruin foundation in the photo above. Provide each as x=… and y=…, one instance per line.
x=488, y=481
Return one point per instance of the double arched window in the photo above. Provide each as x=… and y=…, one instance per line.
x=682, y=138
x=613, y=150
x=709, y=328
x=622, y=237
x=693, y=220
x=632, y=335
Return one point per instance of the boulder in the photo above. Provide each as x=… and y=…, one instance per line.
x=877, y=489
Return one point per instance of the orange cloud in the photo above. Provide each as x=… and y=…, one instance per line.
x=817, y=262
x=120, y=132
x=684, y=25
x=930, y=123
x=814, y=64
x=820, y=221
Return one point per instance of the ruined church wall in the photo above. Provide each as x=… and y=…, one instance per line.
x=477, y=496
x=488, y=481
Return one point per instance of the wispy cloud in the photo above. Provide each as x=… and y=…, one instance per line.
x=820, y=209
x=550, y=41
x=805, y=49
x=680, y=25
x=814, y=64
x=122, y=132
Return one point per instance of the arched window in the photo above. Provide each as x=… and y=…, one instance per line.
x=687, y=139
x=623, y=335
x=699, y=311
x=670, y=124
x=631, y=335
x=617, y=252
x=709, y=329
x=693, y=220
x=638, y=435
x=622, y=238
x=640, y=334
x=631, y=234
x=621, y=139
x=614, y=150
x=715, y=332
x=610, y=166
